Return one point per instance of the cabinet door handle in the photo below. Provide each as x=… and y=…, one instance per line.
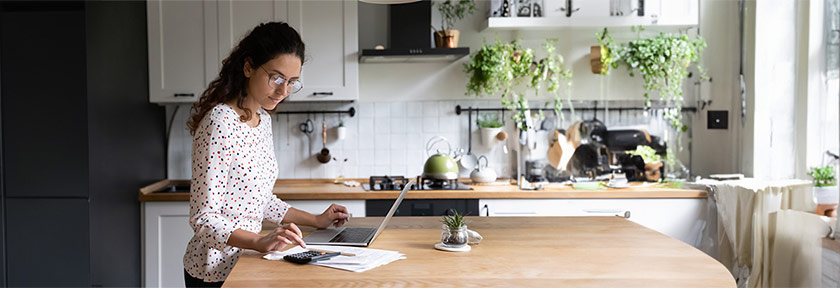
x=514, y=212
x=486, y=208
x=322, y=93
x=602, y=211
x=184, y=94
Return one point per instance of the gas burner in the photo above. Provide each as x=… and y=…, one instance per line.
x=388, y=183
x=397, y=183
x=438, y=184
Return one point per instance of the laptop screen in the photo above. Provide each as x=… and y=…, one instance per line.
x=393, y=208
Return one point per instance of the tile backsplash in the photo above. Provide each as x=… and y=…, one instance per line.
x=383, y=138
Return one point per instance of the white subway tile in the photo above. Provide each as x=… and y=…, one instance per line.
x=447, y=108
x=398, y=109
x=414, y=109
x=366, y=141
x=366, y=110
x=381, y=157
x=366, y=158
x=398, y=125
x=382, y=125
x=381, y=170
x=450, y=124
x=430, y=109
x=364, y=171
x=430, y=124
x=398, y=141
x=365, y=126
x=382, y=110
x=397, y=157
x=382, y=141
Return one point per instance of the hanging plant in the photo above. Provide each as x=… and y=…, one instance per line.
x=501, y=67
x=663, y=63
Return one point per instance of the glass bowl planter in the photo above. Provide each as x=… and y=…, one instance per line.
x=454, y=237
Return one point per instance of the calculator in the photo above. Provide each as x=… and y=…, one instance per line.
x=309, y=256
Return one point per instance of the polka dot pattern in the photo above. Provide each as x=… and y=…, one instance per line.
x=233, y=173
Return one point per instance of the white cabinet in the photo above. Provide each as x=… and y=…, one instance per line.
x=183, y=58
x=238, y=17
x=166, y=232
x=330, y=31
x=683, y=219
x=189, y=39
x=605, y=13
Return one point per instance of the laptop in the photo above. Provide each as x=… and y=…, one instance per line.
x=354, y=236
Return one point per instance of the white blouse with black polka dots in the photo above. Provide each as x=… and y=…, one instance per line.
x=233, y=173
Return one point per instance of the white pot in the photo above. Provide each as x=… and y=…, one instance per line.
x=488, y=136
x=827, y=195
x=342, y=132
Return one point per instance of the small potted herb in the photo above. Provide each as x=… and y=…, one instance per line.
x=454, y=230
x=825, y=189
x=450, y=12
x=490, y=126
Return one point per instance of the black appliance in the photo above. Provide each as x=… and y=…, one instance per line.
x=418, y=207
x=410, y=38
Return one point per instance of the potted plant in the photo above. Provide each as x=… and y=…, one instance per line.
x=454, y=230
x=653, y=162
x=825, y=189
x=490, y=126
x=604, y=57
x=450, y=12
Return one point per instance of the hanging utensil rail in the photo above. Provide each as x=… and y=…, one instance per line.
x=459, y=109
x=351, y=112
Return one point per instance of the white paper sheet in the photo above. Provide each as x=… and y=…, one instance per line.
x=364, y=260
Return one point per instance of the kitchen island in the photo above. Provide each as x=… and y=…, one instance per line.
x=515, y=251
x=678, y=213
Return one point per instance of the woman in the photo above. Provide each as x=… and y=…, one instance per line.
x=233, y=162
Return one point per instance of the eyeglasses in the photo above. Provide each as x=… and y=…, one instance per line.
x=274, y=81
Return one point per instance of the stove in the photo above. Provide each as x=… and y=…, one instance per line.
x=388, y=183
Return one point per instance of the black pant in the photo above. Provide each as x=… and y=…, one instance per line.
x=191, y=281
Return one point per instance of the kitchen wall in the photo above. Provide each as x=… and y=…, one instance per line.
x=402, y=105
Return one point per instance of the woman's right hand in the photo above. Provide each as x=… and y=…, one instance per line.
x=288, y=234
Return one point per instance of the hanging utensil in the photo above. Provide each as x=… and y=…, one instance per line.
x=324, y=156
x=307, y=128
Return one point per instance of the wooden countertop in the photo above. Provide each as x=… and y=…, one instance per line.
x=542, y=252
x=325, y=189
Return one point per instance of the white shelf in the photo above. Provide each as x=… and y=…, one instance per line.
x=548, y=23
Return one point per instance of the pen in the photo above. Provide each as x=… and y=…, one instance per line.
x=327, y=251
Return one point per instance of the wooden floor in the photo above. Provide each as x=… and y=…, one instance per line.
x=516, y=251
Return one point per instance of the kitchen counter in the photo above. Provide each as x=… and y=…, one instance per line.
x=545, y=252
x=325, y=189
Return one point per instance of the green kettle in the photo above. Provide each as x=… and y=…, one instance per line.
x=440, y=166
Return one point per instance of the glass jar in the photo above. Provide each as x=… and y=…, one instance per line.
x=454, y=237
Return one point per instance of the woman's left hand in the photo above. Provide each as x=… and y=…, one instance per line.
x=335, y=215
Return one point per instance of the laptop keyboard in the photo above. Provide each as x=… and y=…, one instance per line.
x=353, y=235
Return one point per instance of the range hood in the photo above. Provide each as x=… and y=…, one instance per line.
x=410, y=38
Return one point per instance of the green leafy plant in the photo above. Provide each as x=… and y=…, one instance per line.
x=609, y=51
x=453, y=10
x=489, y=121
x=823, y=176
x=454, y=221
x=502, y=67
x=648, y=154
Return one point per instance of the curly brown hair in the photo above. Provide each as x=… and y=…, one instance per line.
x=263, y=43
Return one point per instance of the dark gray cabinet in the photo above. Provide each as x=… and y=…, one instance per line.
x=79, y=137
x=48, y=241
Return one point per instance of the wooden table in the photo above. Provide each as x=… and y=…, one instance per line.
x=516, y=251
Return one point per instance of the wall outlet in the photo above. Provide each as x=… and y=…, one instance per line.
x=718, y=119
